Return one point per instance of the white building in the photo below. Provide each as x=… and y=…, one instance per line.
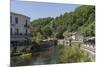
x=77, y=36
x=19, y=28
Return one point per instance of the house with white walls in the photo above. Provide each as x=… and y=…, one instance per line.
x=19, y=28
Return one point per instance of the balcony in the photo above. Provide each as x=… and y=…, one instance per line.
x=19, y=37
x=12, y=24
x=26, y=26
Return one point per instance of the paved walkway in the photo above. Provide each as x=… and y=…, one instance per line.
x=90, y=48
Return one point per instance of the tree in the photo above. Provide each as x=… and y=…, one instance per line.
x=46, y=31
x=38, y=38
x=81, y=19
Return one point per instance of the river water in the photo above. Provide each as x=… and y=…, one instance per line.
x=48, y=56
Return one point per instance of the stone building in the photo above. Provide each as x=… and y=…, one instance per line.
x=19, y=29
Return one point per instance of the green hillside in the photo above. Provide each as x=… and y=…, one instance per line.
x=81, y=19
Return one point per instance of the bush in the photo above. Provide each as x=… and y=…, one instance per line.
x=71, y=55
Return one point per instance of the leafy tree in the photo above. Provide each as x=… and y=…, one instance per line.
x=81, y=19
x=38, y=38
x=46, y=31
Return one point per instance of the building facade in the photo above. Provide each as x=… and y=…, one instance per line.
x=19, y=28
x=77, y=36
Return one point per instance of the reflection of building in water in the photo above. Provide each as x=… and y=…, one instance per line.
x=19, y=29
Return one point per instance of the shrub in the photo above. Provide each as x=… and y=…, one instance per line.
x=71, y=55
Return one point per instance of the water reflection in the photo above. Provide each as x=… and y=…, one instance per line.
x=53, y=55
x=37, y=58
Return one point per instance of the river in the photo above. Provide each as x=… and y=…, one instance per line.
x=48, y=56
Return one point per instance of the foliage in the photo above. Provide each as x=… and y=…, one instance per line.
x=41, y=25
x=41, y=21
x=66, y=33
x=89, y=30
x=82, y=19
x=71, y=55
x=46, y=31
x=38, y=38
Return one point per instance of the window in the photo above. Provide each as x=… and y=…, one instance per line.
x=16, y=20
x=17, y=31
x=26, y=21
x=11, y=31
x=25, y=24
x=21, y=34
x=11, y=19
x=26, y=32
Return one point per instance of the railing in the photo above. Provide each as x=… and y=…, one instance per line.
x=18, y=36
x=26, y=26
